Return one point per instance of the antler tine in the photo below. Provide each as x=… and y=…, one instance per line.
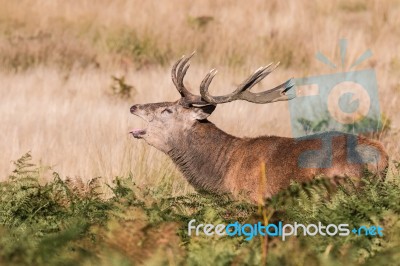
x=207, y=79
x=266, y=71
x=173, y=71
x=178, y=73
x=243, y=91
x=182, y=69
x=257, y=76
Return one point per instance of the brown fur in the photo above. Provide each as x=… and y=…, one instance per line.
x=213, y=160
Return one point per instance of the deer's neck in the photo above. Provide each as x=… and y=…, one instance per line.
x=202, y=154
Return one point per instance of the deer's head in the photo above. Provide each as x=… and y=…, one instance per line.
x=168, y=121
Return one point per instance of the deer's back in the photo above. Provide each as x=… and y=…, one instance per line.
x=331, y=154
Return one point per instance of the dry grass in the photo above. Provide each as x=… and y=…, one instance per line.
x=57, y=59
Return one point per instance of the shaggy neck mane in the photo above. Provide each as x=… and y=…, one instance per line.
x=201, y=155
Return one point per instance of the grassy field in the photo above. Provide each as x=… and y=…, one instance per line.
x=60, y=102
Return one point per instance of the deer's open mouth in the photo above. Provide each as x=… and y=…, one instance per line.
x=138, y=133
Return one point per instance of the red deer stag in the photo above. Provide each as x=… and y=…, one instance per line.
x=215, y=161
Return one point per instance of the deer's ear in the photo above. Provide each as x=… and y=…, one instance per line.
x=202, y=112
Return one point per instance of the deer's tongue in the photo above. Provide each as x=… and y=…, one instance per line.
x=137, y=133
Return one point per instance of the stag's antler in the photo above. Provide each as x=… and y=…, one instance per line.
x=187, y=98
x=243, y=91
x=278, y=93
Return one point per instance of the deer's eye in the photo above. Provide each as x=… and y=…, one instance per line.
x=166, y=111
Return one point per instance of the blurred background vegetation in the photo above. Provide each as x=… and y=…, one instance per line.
x=109, y=34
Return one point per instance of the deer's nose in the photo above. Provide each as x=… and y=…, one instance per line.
x=134, y=108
